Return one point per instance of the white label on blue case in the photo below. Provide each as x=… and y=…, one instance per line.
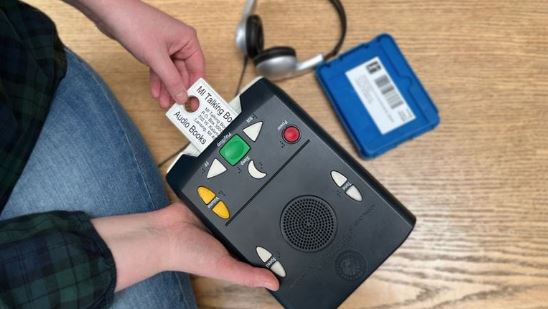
x=380, y=96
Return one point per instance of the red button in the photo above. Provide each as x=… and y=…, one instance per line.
x=291, y=134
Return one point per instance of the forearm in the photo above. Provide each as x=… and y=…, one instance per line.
x=104, y=12
x=137, y=243
x=172, y=239
x=169, y=47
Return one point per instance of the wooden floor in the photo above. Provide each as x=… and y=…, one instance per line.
x=478, y=184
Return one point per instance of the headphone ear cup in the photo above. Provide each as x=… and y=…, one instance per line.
x=273, y=52
x=254, y=36
x=276, y=62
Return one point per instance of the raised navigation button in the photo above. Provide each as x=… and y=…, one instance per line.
x=216, y=168
x=234, y=150
x=206, y=195
x=338, y=178
x=263, y=254
x=354, y=193
x=221, y=210
x=253, y=171
x=278, y=269
x=291, y=134
x=253, y=130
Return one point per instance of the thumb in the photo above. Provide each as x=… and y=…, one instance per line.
x=231, y=270
x=170, y=76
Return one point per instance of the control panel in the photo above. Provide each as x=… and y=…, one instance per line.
x=280, y=193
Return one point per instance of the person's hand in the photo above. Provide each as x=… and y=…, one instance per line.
x=167, y=46
x=173, y=239
x=193, y=249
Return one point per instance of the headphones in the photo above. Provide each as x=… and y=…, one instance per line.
x=281, y=61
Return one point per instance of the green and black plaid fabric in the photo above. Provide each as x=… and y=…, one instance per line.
x=49, y=260
x=32, y=62
x=54, y=260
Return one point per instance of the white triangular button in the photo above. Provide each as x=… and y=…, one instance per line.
x=278, y=269
x=264, y=254
x=253, y=130
x=338, y=178
x=216, y=168
x=354, y=193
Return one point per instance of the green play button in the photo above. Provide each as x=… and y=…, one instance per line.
x=234, y=150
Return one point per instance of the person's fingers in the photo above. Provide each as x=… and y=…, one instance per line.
x=161, y=96
x=169, y=74
x=155, y=84
x=232, y=270
x=194, y=63
x=191, y=53
x=164, y=97
x=181, y=66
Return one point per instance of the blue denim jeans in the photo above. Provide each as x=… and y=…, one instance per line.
x=91, y=157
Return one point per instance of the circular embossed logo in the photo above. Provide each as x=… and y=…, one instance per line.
x=350, y=265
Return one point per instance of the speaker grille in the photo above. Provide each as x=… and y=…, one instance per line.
x=308, y=223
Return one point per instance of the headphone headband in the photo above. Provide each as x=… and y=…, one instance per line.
x=342, y=19
x=249, y=38
x=249, y=8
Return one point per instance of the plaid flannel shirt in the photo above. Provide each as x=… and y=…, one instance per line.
x=55, y=259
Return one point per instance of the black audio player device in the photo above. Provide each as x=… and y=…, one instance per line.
x=280, y=193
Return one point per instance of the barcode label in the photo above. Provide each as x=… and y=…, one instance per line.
x=380, y=96
x=389, y=91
